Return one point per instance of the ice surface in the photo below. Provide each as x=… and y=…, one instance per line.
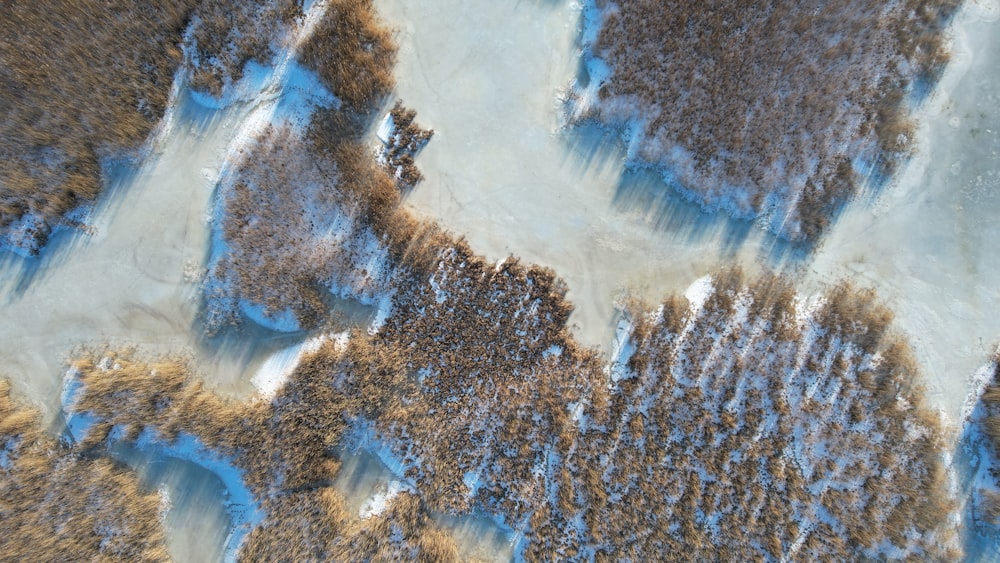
x=488, y=77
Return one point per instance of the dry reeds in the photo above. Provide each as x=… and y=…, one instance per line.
x=773, y=103
x=56, y=503
x=724, y=457
x=353, y=53
x=227, y=35
x=81, y=81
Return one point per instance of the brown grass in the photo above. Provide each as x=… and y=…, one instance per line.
x=86, y=80
x=476, y=371
x=353, y=53
x=407, y=140
x=650, y=458
x=771, y=101
x=56, y=503
x=275, y=219
x=227, y=35
x=467, y=383
x=81, y=81
x=989, y=424
x=283, y=447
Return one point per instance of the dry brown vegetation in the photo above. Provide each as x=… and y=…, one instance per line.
x=82, y=80
x=742, y=429
x=284, y=447
x=763, y=108
x=986, y=419
x=493, y=369
x=227, y=35
x=353, y=53
x=293, y=230
x=742, y=433
x=405, y=141
x=308, y=214
x=85, y=80
x=305, y=214
x=736, y=431
x=732, y=439
x=57, y=504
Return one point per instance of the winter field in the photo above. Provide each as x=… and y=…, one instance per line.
x=386, y=281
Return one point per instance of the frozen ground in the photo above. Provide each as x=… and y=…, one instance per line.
x=195, y=518
x=133, y=279
x=488, y=76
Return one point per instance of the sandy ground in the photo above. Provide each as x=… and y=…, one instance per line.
x=487, y=76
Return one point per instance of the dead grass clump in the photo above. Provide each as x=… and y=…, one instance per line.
x=856, y=315
x=353, y=53
x=404, y=531
x=301, y=526
x=404, y=142
x=227, y=35
x=133, y=395
x=771, y=103
x=82, y=81
x=295, y=226
x=55, y=502
x=413, y=244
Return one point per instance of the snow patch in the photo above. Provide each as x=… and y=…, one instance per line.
x=276, y=370
x=381, y=499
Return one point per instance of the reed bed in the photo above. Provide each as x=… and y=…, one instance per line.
x=283, y=448
x=57, y=503
x=751, y=425
x=748, y=426
x=226, y=35
x=353, y=53
x=85, y=81
x=731, y=439
x=82, y=81
x=294, y=232
x=771, y=110
x=404, y=142
x=985, y=424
